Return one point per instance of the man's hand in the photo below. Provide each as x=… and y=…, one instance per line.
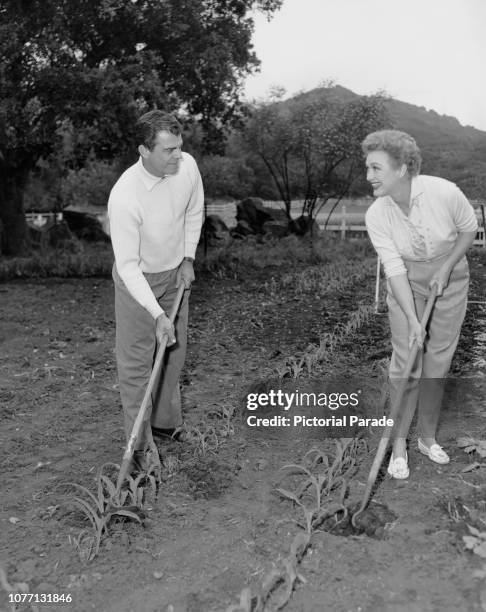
x=441, y=279
x=164, y=329
x=415, y=332
x=185, y=273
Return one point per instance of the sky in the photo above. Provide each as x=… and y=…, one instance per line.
x=430, y=53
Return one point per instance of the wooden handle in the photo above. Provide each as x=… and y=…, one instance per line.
x=142, y=413
x=385, y=438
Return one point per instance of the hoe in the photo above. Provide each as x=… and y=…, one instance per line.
x=385, y=438
x=144, y=411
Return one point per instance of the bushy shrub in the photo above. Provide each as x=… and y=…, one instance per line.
x=89, y=185
x=226, y=177
x=51, y=187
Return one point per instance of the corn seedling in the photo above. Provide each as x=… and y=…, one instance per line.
x=271, y=287
x=326, y=279
x=203, y=437
x=109, y=504
x=476, y=541
x=84, y=544
x=224, y=415
x=471, y=445
x=295, y=365
x=282, y=370
x=471, y=515
x=321, y=476
x=171, y=465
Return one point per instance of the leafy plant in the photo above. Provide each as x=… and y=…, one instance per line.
x=320, y=476
x=476, y=541
x=108, y=504
x=471, y=445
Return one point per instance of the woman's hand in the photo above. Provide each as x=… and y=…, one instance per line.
x=415, y=332
x=441, y=278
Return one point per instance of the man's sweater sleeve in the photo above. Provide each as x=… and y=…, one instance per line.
x=125, y=221
x=383, y=243
x=194, y=215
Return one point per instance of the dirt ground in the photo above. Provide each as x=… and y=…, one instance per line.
x=218, y=525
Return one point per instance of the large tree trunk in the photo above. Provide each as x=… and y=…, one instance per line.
x=14, y=237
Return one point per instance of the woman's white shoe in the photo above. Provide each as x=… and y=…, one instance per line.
x=435, y=453
x=398, y=468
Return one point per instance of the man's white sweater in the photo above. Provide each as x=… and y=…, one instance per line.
x=154, y=223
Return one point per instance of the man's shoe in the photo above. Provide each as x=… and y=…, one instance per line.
x=398, y=468
x=166, y=432
x=435, y=453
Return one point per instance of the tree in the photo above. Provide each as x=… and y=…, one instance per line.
x=311, y=145
x=90, y=67
x=270, y=134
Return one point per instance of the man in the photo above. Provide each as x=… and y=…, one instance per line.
x=155, y=211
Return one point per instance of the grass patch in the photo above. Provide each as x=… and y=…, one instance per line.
x=237, y=260
x=88, y=259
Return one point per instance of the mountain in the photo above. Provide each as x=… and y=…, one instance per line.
x=449, y=149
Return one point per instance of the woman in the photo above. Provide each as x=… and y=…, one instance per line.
x=421, y=228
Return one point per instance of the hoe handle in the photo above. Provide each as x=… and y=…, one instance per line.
x=385, y=438
x=146, y=402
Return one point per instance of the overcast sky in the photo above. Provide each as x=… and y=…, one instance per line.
x=430, y=53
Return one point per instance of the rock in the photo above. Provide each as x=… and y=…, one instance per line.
x=215, y=231
x=86, y=225
x=254, y=218
x=253, y=213
x=301, y=226
x=241, y=230
x=277, y=229
x=278, y=214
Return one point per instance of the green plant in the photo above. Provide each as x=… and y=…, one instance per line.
x=319, y=493
x=471, y=445
x=109, y=503
x=322, y=477
x=203, y=437
x=476, y=541
x=223, y=415
x=295, y=365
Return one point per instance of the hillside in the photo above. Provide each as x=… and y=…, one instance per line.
x=449, y=149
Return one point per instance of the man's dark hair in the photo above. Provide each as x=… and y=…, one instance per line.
x=153, y=122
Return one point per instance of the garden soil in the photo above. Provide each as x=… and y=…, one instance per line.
x=218, y=525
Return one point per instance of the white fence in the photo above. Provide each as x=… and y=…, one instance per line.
x=343, y=220
x=41, y=219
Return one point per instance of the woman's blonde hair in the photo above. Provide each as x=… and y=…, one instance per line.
x=401, y=147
